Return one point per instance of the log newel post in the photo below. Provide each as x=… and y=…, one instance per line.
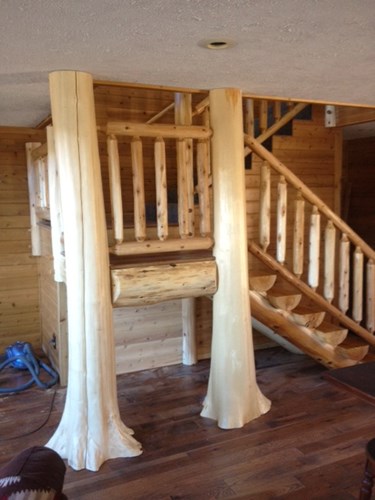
x=183, y=116
x=114, y=174
x=90, y=430
x=233, y=397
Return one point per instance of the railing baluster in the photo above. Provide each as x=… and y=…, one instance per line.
x=277, y=111
x=115, y=189
x=263, y=115
x=370, y=299
x=138, y=189
x=161, y=189
x=249, y=116
x=314, y=248
x=357, y=312
x=203, y=167
x=281, y=220
x=298, y=235
x=329, y=261
x=185, y=187
x=42, y=183
x=265, y=206
x=344, y=268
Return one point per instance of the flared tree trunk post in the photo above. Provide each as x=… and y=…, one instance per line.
x=90, y=430
x=233, y=397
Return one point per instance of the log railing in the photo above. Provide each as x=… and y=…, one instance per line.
x=192, y=154
x=270, y=118
x=321, y=249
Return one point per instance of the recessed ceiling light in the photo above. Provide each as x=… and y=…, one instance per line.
x=217, y=43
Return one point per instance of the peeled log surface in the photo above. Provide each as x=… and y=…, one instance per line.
x=283, y=297
x=302, y=337
x=261, y=282
x=353, y=347
x=333, y=334
x=233, y=396
x=306, y=316
x=158, y=246
x=140, y=285
x=90, y=431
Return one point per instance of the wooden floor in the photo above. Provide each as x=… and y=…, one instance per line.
x=310, y=445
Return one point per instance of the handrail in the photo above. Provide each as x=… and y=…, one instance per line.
x=161, y=113
x=310, y=293
x=130, y=129
x=280, y=121
x=263, y=153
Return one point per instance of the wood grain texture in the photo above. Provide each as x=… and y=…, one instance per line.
x=311, y=445
x=19, y=307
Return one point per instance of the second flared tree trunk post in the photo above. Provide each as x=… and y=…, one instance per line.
x=233, y=397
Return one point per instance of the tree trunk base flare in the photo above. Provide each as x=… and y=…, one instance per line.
x=90, y=453
x=233, y=397
x=90, y=430
x=237, y=416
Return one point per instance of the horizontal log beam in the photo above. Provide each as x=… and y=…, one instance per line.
x=158, y=246
x=150, y=284
x=130, y=129
x=353, y=116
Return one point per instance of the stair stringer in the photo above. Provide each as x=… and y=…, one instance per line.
x=302, y=337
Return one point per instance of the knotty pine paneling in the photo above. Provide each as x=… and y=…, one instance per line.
x=359, y=187
x=19, y=291
x=53, y=309
x=310, y=154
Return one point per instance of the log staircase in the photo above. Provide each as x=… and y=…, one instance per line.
x=302, y=285
x=306, y=289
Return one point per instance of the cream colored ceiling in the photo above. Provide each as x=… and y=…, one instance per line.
x=310, y=49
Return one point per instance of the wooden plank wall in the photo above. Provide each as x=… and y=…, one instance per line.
x=53, y=309
x=359, y=187
x=310, y=152
x=19, y=301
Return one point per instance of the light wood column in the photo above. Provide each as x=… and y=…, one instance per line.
x=183, y=116
x=233, y=397
x=90, y=430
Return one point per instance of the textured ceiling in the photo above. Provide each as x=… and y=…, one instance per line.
x=309, y=49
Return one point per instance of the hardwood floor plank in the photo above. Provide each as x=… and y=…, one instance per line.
x=310, y=444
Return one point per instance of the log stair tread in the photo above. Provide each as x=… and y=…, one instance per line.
x=332, y=334
x=261, y=281
x=308, y=316
x=354, y=347
x=283, y=296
